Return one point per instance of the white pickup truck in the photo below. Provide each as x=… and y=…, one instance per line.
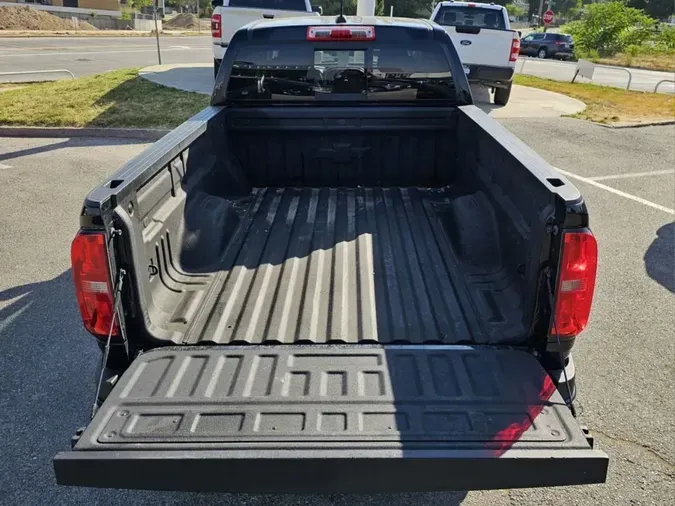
x=485, y=42
x=230, y=15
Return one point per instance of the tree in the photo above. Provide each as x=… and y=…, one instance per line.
x=563, y=7
x=409, y=8
x=139, y=4
x=659, y=9
x=515, y=10
x=610, y=27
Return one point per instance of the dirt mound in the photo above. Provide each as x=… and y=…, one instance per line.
x=27, y=18
x=186, y=21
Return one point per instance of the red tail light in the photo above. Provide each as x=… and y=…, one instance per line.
x=216, y=26
x=559, y=43
x=576, y=283
x=92, y=283
x=515, y=49
x=331, y=33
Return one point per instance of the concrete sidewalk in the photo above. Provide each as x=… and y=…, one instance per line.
x=525, y=102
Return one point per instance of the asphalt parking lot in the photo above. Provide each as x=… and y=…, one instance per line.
x=624, y=360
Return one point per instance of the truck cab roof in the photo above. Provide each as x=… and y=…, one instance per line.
x=472, y=4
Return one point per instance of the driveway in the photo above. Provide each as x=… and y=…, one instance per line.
x=624, y=360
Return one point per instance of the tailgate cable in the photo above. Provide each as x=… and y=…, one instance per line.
x=551, y=302
x=106, y=350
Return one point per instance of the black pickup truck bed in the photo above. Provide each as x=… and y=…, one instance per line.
x=302, y=291
x=279, y=227
x=339, y=265
x=334, y=311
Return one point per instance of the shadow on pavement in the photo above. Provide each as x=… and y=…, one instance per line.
x=73, y=142
x=47, y=371
x=482, y=99
x=660, y=257
x=138, y=103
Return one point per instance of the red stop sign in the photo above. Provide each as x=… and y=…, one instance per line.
x=548, y=16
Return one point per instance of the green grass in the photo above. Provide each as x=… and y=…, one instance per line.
x=609, y=105
x=114, y=99
x=663, y=61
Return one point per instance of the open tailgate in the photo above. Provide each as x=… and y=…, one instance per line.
x=332, y=419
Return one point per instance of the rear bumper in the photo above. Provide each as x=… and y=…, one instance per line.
x=490, y=75
x=219, y=51
x=565, y=53
x=317, y=470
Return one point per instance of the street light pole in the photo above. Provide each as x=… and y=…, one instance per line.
x=154, y=15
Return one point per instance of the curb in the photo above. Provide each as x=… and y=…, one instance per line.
x=147, y=134
x=638, y=125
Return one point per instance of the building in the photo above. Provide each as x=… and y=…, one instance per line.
x=104, y=5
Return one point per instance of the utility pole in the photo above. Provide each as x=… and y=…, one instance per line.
x=154, y=15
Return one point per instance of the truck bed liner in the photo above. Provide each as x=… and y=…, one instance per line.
x=340, y=266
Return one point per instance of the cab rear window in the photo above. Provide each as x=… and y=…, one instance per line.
x=471, y=17
x=304, y=72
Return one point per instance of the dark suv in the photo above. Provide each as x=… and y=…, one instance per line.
x=548, y=45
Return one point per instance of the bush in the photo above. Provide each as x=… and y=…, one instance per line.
x=666, y=38
x=610, y=27
x=587, y=54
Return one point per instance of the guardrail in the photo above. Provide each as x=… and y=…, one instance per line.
x=630, y=74
x=661, y=82
x=586, y=69
x=35, y=72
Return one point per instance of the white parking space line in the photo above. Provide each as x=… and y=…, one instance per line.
x=634, y=198
x=634, y=174
x=3, y=166
x=65, y=48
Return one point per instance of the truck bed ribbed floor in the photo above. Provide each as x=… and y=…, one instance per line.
x=338, y=266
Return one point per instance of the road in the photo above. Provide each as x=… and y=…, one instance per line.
x=91, y=55
x=624, y=360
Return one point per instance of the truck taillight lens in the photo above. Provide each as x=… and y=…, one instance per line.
x=332, y=33
x=216, y=26
x=576, y=283
x=92, y=283
x=515, y=49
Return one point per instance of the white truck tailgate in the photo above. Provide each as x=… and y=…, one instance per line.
x=491, y=48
